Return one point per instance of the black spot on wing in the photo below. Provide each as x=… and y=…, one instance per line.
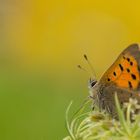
x=108, y=79
x=128, y=59
x=128, y=70
x=129, y=84
x=124, y=57
x=121, y=67
x=114, y=73
x=131, y=63
x=133, y=76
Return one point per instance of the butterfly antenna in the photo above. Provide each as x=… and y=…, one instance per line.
x=90, y=65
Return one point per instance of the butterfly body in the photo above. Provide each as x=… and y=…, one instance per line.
x=123, y=78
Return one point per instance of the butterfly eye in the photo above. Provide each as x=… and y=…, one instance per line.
x=92, y=83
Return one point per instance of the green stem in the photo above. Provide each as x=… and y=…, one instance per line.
x=128, y=113
x=67, y=121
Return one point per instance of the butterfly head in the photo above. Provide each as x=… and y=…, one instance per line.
x=92, y=83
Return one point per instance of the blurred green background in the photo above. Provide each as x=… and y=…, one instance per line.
x=41, y=42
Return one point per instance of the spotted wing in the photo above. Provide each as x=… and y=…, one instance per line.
x=125, y=71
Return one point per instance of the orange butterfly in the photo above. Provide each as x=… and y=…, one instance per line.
x=123, y=78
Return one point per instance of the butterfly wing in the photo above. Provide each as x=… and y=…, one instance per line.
x=125, y=71
x=123, y=78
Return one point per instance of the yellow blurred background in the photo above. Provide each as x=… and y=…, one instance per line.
x=41, y=43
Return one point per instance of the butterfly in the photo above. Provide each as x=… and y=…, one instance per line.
x=123, y=78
